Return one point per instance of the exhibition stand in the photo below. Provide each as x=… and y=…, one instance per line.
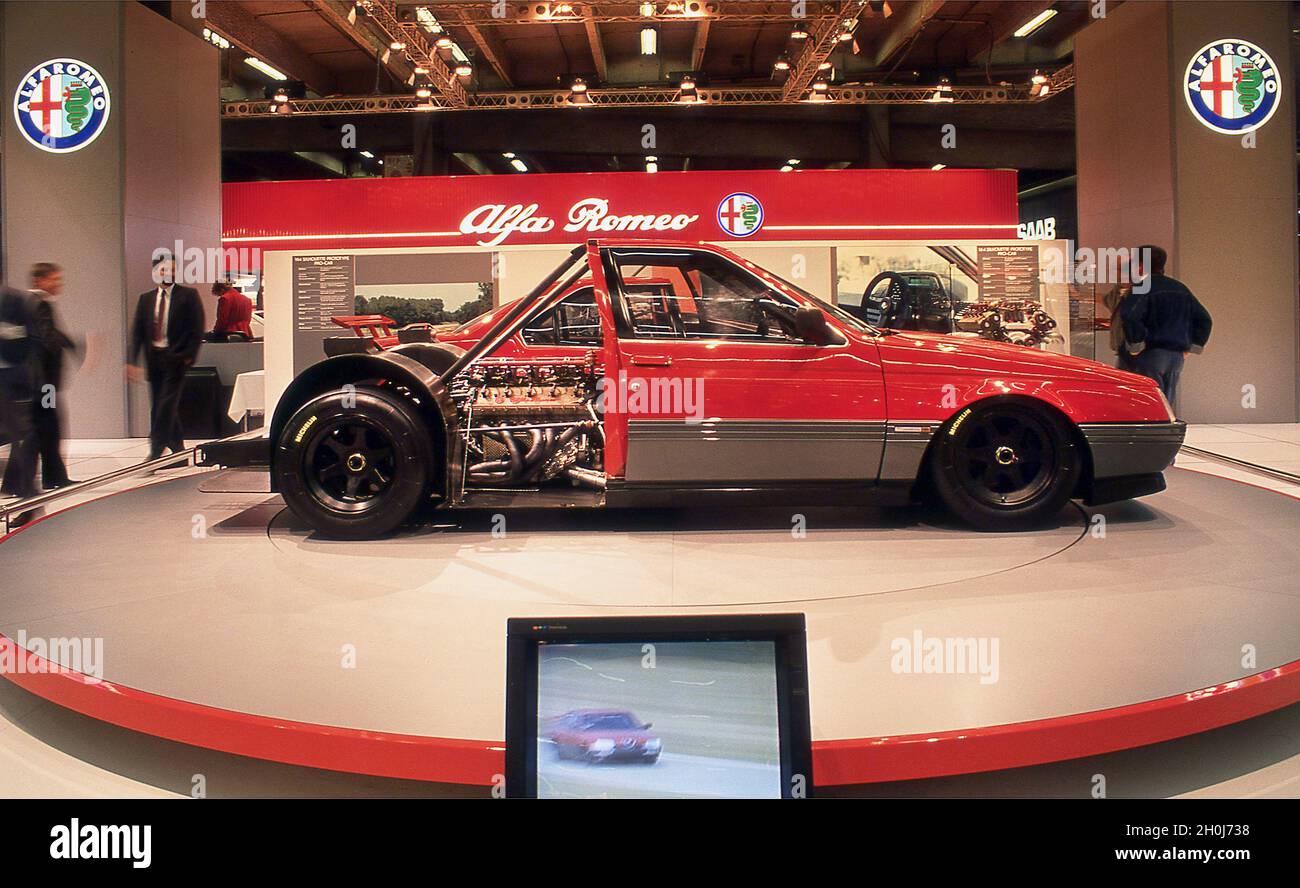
x=1105, y=642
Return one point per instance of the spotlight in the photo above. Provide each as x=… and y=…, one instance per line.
x=942, y=92
x=938, y=166
x=281, y=95
x=787, y=169
x=782, y=64
x=420, y=69
x=578, y=86
x=799, y=33
x=652, y=164
x=688, y=94
x=463, y=69
x=397, y=46
x=647, y=9
x=423, y=92
x=443, y=42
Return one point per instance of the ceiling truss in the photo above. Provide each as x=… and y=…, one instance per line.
x=663, y=97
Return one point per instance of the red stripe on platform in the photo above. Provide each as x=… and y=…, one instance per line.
x=480, y=762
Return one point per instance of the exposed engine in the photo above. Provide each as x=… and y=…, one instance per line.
x=1017, y=321
x=527, y=423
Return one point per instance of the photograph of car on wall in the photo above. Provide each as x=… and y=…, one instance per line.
x=665, y=720
x=999, y=291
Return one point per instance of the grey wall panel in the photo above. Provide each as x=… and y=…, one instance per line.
x=1149, y=172
x=1236, y=228
x=67, y=208
x=172, y=156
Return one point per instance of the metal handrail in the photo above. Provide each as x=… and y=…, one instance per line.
x=1267, y=471
x=50, y=496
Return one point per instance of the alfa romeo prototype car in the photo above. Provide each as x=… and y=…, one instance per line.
x=663, y=374
x=603, y=735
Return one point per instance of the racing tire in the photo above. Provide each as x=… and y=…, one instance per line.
x=354, y=464
x=1005, y=465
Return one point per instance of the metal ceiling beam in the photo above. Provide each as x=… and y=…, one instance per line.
x=903, y=29
x=245, y=31
x=661, y=97
x=701, y=43
x=481, y=14
x=383, y=15
x=597, y=46
x=823, y=37
x=489, y=47
x=336, y=13
x=1010, y=17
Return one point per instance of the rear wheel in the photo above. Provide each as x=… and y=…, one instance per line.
x=1004, y=465
x=354, y=464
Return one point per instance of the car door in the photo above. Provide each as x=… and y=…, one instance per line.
x=717, y=387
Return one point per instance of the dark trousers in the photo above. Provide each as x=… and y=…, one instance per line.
x=49, y=439
x=1125, y=361
x=16, y=426
x=45, y=446
x=1162, y=365
x=166, y=384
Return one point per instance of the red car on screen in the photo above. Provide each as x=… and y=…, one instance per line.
x=603, y=735
x=665, y=375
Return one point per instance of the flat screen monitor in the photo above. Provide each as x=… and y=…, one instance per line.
x=658, y=707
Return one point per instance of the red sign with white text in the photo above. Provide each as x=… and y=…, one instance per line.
x=519, y=210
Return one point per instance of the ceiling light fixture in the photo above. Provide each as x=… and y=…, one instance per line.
x=1035, y=23
x=519, y=164
x=273, y=73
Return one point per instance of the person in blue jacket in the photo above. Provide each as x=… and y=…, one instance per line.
x=1163, y=322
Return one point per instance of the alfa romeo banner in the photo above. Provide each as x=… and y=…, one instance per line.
x=503, y=211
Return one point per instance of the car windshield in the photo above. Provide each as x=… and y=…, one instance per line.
x=839, y=314
x=610, y=721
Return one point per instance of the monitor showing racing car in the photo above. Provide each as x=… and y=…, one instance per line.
x=658, y=707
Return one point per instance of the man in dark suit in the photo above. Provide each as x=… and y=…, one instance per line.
x=16, y=325
x=168, y=330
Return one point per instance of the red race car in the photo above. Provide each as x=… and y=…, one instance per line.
x=602, y=735
x=662, y=374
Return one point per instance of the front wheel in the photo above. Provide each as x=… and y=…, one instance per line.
x=1005, y=465
x=354, y=463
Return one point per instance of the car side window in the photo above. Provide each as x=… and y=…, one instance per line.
x=575, y=321
x=687, y=294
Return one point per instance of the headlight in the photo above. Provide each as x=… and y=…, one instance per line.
x=602, y=745
x=653, y=743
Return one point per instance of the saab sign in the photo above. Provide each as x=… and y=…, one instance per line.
x=1232, y=86
x=61, y=105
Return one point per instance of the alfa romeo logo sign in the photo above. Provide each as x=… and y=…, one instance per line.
x=1232, y=86
x=740, y=214
x=61, y=105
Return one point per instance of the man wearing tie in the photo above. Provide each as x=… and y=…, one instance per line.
x=168, y=330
